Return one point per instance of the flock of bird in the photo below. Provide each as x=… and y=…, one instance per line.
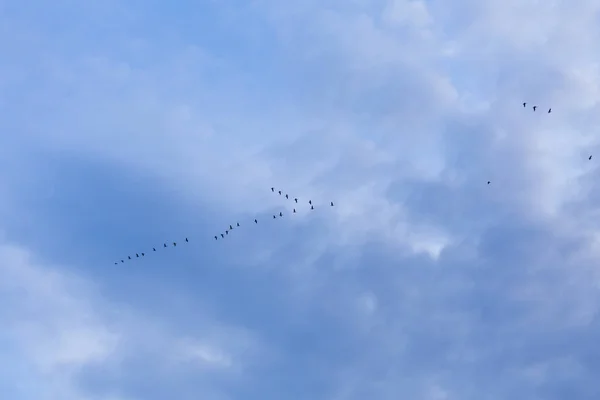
x=222, y=235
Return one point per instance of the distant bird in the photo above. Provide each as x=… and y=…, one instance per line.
x=590, y=158
x=256, y=221
x=488, y=182
x=186, y=239
x=294, y=210
x=129, y=257
x=137, y=255
x=312, y=207
x=280, y=192
x=534, y=107
x=286, y=196
x=153, y=249
x=230, y=227
x=524, y=105
x=164, y=245
x=310, y=202
x=332, y=204
x=296, y=200
x=115, y=263
x=273, y=190
x=222, y=235
x=216, y=238
x=227, y=232
x=238, y=224
x=143, y=254
x=549, y=110
x=281, y=214
x=174, y=244
x=274, y=217
x=122, y=261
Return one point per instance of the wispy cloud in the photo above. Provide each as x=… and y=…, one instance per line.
x=127, y=125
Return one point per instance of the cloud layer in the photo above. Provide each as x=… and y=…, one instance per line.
x=127, y=125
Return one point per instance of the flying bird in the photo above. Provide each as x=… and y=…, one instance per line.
x=296, y=200
x=143, y=254
x=164, y=245
x=590, y=158
x=549, y=110
x=230, y=227
x=274, y=217
x=294, y=210
x=137, y=255
x=129, y=257
x=332, y=204
x=238, y=224
x=524, y=105
x=122, y=261
x=174, y=244
x=312, y=207
x=186, y=240
x=488, y=182
x=273, y=190
x=286, y=196
x=216, y=238
x=222, y=235
x=281, y=214
x=256, y=221
x=534, y=107
x=280, y=192
x=153, y=249
x=310, y=202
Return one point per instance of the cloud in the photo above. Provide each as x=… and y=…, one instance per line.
x=129, y=127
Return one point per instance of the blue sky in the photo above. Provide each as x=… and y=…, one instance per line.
x=129, y=123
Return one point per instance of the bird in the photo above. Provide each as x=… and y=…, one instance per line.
x=280, y=192
x=312, y=207
x=238, y=224
x=310, y=202
x=153, y=249
x=222, y=235
x=129, y=257
x=281, y=214
x=122, y=261
x=230, y=227
x=137, y=255
x=274, y=217
x=488, y=182
x=273, y=190
x=256, y=221
x=216, y=238
x=294, y=210
x=227, y=232
x=524, y=105
x=534, y=107
x=332, y=204
x=590, y=158
x=174, y=244
x=549, y=110
x=296, y=200
x=286, y=196
x=143, y=254
x=115, y=263
x=164, y=245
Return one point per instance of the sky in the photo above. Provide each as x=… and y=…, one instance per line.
x=127, y=123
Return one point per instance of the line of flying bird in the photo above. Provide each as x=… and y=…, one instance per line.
x=231, y=226
x=275, y=216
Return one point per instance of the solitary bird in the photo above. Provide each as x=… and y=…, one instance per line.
x=524, y=105
x=115, y=263
x=549, y=110
x=488, y=182
x=164, y=245
x=534, y=107
x=590, y=158
x=256, y=221
x=186, y=240
x=332, y=204
x=153, y=249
